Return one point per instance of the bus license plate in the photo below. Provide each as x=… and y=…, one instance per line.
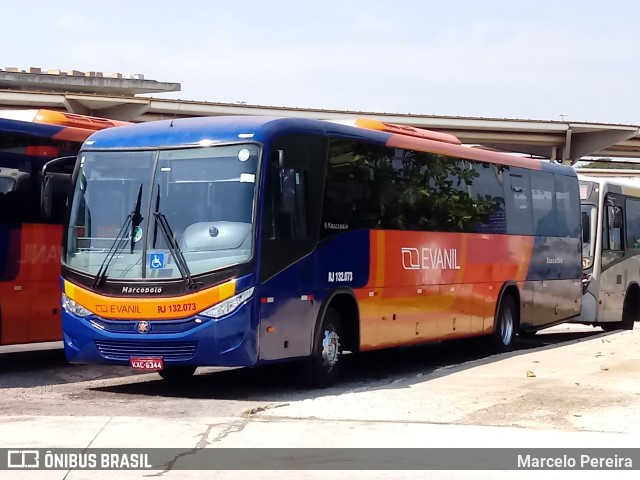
x=152, y=364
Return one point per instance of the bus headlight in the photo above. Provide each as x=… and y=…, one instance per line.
x=72, y=306
x=229, y=305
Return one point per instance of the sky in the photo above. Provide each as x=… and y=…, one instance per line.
x=541, y=60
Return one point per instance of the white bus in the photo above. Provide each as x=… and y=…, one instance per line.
x=611, y=251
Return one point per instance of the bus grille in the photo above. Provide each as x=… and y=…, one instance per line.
x=119, y=326
x=122, y=350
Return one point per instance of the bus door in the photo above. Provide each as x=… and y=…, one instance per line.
x=290, y=228
x=613, y=277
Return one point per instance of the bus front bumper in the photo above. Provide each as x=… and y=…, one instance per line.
x=197, y=340
x=589, y=311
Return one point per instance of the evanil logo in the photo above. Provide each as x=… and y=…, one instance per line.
x=429, y=258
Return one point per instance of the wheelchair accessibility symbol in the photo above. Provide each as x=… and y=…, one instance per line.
x=156, y=261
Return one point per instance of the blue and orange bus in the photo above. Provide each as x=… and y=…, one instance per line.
x=31, y=141
x=245, y=240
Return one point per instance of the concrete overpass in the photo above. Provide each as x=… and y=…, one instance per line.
x=562, y=141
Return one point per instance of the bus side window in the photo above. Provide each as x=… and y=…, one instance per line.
x=567, y=205
x=286, y=206
x=632, y=226
x=21, y=206
x=349, y=200
x=545, y=219
x=487, y=190
x=612, y=238
x=518, y=202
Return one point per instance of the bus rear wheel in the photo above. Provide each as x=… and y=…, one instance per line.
x=326, y=358
x=611, y=327
x=177, y=374
x=505, y=330
x=630, y=313
x=631, y=310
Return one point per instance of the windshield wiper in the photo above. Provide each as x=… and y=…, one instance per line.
x=181, y=263
x=130, y=223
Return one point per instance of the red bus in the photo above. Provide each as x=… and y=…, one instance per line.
x=31, y=143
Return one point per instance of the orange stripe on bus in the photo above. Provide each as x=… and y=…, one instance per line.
x=149, y=308
x=435, y=285
x=373, y=263
x=410, y=143
x=380, y=259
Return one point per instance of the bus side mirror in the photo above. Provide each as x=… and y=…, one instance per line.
x=55, y=184
x=53, y=198
x=586, y=231
x=288, y=182
x=617, y=218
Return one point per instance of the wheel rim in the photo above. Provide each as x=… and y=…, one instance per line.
x=330, y=349
x=506, y=327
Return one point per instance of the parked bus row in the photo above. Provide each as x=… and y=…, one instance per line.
x=248, y=240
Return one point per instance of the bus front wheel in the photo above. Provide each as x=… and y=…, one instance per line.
x=326, y=358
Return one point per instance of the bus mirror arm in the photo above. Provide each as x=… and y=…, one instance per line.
x=280, y=156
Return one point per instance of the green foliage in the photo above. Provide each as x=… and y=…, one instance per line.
x=607, y=163
x=427, y=192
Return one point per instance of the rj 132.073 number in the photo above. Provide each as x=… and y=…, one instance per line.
x=340, y=276
x=177, y=307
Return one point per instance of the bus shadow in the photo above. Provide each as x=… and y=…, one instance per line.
x=48, y=366
x=31, y=360
x=391, y=368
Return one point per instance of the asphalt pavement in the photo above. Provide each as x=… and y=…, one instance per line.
x=577, y=388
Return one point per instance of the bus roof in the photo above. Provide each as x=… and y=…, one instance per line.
x=199, y=131
x=52, y=124
x=628, y=186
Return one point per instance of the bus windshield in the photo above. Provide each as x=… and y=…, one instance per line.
x=6, y=184
x=162, y=213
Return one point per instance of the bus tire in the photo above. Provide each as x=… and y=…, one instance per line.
x=177, y=374
x=326, y=361
x=630, y=313
x=631, y=309
x=611, y=327
x=504, y=333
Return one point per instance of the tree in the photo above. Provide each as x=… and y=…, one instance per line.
x=607, y=163
x=427, y=191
